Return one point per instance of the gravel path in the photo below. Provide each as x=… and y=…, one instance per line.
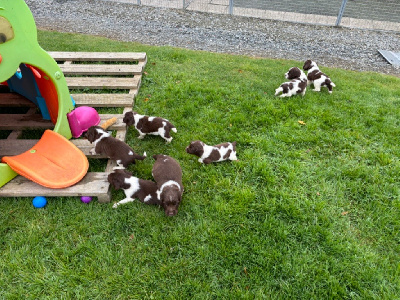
x=351, y=49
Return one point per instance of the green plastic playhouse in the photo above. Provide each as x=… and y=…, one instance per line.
x=19, y=50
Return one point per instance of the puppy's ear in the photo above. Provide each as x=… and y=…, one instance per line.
x=128, y=118
x=294, y=73
x=113, y=180
x=117, y=180
x=90, y=134
x=307, y=65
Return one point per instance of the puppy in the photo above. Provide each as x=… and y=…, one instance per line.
x=111, y=147
x=144, y=190
x=149, y=125
x=209, y=154
x=316, y=77
x=168, y=175
x=297, y=84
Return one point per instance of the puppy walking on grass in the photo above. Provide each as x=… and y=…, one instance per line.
x=149, y=125
x=115, y=149
x=168, y=175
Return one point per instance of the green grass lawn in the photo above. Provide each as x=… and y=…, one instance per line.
x=309, y=211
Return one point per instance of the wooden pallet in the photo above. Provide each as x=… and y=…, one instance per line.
x=83, y=70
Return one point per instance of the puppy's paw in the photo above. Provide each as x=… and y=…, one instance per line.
x=93, y=151
x=115, y=205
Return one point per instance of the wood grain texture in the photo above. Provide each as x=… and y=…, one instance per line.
x=83, y=69
x=93, y=184
x=99, y=56
x=103, y=100
x=102, y=82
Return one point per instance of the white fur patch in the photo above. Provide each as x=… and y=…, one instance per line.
x=169, y=182
x=222, y=151
x=104, y=134
x=147, y=198
x=135, y=186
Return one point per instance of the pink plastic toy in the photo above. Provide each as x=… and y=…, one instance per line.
x=81, y=118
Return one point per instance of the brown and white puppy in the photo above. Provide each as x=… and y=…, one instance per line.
x=316, y=77
x=149, y=125
x=168, y=175
x=115, y=149
x=144, y=190
x=297, y=84
x=208, y=154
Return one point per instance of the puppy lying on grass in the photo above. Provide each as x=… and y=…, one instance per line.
x=208, y=154
x=296, y=85
x=134, y=188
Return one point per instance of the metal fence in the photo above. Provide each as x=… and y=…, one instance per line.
x=368, y=14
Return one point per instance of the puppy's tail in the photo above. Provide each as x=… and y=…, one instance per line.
x=171, y=126
x=140, y=157
x=329, y=85
x=234, y=145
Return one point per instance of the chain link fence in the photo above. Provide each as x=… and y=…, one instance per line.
x=367, y=14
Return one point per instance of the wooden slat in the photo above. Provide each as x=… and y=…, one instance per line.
x=103, y=100
x=14, y=147
x=14, y=100
x=93, y=184
x=93, y=100
x=99, y=56
x=103, y=82
x=23, y=121
x=117, y=125
x=11, y=147
x=82, y=69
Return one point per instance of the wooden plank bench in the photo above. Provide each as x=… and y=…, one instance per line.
x=120, y=71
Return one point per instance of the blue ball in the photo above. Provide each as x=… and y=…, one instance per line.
x=39, y=201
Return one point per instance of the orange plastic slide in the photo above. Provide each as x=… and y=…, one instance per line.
x=53, y=162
